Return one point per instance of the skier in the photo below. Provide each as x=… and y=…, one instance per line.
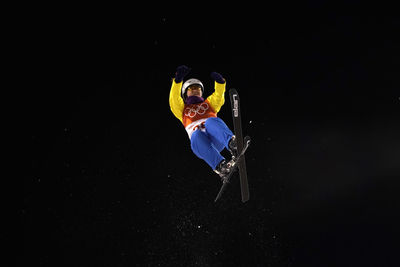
x=208, y=134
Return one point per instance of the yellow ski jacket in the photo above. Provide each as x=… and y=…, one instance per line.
x=193, y=116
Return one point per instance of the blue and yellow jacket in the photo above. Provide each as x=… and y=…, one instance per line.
x=193, y=116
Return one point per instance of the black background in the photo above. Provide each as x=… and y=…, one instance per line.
x=113, y=179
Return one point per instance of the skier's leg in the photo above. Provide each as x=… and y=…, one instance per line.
x=203, y=148
x=216, y=144
x=218, y=132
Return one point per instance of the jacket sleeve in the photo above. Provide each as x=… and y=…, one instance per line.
x=217, y=99
x=175, y=100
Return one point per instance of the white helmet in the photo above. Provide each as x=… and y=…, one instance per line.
x=189, y=83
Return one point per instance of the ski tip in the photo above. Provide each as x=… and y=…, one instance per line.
x=233, y=91
x=221, y=191
x=247, y=139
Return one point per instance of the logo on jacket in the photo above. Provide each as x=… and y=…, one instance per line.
x=198, y=109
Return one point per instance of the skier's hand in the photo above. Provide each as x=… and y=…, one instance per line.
x=217, y=77
x=181, y=72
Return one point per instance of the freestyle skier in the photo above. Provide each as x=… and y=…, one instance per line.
x=208, y=134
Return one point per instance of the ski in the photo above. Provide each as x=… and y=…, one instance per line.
x=237, y=125
x=237, y=159
x=242, y=145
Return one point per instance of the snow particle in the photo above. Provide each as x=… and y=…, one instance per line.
x=250, y=122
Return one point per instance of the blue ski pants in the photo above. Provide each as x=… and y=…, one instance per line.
x=208, y=144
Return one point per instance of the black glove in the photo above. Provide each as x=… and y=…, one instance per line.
x=181, y=72
x=217, y=77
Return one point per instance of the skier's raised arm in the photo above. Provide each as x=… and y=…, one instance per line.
x=217, y=99
x=175, y=100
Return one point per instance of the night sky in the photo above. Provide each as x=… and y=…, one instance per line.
x=113, y=181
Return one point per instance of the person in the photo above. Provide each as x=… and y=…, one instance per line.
x=208, y=134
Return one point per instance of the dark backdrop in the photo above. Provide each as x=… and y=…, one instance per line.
x=113, y=180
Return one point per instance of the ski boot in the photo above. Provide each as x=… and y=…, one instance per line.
x=224, y=168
